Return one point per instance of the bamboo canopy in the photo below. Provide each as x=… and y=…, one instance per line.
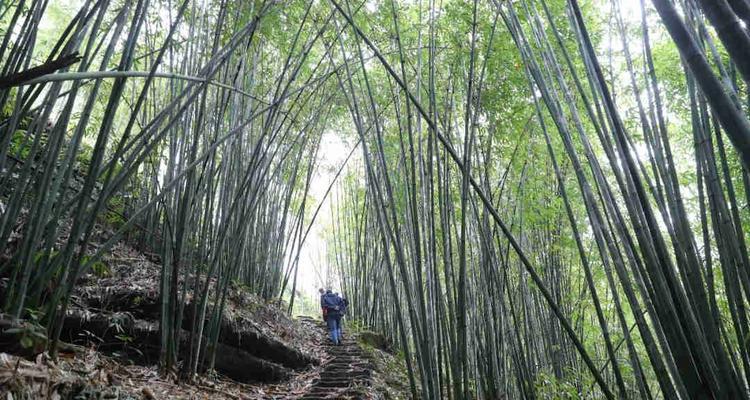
x=539, y=198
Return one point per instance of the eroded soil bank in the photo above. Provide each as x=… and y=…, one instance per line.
x=111, y=348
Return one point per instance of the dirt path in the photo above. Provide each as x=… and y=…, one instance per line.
x=346, y=373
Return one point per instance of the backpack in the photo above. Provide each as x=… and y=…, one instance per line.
x=332, y=302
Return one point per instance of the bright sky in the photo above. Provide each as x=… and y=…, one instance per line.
x=313, y=266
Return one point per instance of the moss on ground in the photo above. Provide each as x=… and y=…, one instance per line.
x=390, y=379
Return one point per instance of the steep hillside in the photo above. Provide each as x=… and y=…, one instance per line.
x=111, y=346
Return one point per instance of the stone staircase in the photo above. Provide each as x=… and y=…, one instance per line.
x=347, y=374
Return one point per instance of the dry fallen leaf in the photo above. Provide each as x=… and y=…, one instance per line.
x=148, y=394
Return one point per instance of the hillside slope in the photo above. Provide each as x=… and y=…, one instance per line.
x=111, y=345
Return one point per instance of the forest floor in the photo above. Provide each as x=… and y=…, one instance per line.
x=111, y=348
x=353, y=371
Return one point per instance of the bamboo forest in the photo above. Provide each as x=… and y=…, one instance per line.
x=374, y=199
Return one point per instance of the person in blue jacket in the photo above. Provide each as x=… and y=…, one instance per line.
x=333, y=307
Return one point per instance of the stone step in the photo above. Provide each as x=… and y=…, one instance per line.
x=359, y=364
x=339, y=358
x=340, y=378
x=351, y=374
x=345, y=373
x=327, y=383
x=351, y=352
x=334, y=393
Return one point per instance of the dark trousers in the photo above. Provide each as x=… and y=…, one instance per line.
x=334, y=327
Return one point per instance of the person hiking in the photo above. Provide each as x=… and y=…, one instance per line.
x=322, y=293
x=344, y=307
x=331, y=303
x=345, y=304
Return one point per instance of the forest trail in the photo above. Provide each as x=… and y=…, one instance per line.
x=518, y=199
x=346, y=374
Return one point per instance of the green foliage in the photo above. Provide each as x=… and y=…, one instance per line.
x=30, y=334
x=20, y=146
x=98, y=268
x=83, y=157
x=124, y=338
x=549, y=387
x=115, y=212
x=224, y=218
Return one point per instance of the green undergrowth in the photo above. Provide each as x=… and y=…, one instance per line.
x=390, y=379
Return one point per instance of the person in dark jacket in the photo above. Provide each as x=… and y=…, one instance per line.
x=323, y=309
x=333, y=307
x=344, y=307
